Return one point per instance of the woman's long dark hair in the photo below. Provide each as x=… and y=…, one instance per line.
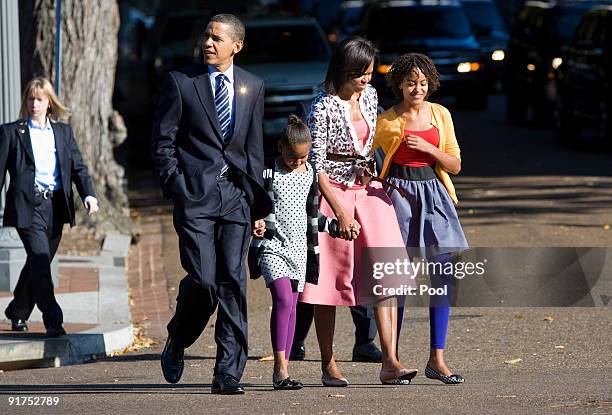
x=350, y=60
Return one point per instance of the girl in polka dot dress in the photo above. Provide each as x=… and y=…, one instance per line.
x=285, y=247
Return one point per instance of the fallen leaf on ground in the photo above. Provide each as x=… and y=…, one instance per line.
x=513, y=361
x=336, y=396
x=518, y=316
x=549, y=318
x=266, y=358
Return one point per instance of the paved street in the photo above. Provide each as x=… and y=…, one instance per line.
x=517, y=188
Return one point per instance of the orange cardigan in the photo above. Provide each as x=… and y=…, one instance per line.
x=390, y=131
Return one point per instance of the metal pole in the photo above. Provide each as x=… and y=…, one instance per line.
x=58, y=47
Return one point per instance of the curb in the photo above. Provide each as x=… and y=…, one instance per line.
x=114, y=331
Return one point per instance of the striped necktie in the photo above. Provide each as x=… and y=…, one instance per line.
x=222, y=105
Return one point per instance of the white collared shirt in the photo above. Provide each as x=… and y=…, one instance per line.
x=45, y=156
x=229, y=72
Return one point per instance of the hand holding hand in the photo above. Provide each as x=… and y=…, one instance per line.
x=259, y=228
x=349, y=228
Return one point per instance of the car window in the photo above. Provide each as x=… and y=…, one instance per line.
x=180, y=29
x=591, y=32
x=397, y=23
x=483, y=15
x=267, y=44
x=565, y=22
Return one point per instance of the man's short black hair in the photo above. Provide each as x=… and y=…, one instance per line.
x=236, y=26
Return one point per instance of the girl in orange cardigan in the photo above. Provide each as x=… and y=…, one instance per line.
x=420, y=148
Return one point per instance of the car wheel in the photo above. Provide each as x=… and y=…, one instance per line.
x=516, y=109
x=566, y=124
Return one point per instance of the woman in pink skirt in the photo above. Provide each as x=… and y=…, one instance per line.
x=342, y=123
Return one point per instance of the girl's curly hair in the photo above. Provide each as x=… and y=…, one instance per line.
x=405, y=64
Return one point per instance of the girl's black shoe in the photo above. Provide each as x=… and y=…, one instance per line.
x=287, y=384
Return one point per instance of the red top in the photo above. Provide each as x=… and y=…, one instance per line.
x=406, y=156
x=362, y=129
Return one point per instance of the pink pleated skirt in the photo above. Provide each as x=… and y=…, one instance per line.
x=340, y=276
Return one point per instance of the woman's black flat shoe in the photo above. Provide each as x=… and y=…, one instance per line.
x=287, y=384
x=449, y=380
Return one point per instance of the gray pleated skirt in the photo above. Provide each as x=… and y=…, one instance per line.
x=427, y=215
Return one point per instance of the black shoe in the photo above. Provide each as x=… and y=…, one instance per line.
x=55, y=331
x=368, y=352
x=449, y=380
x=298, y=352
x=287, y=384
x=172, y=361
x=18, y=324
x=223, y=384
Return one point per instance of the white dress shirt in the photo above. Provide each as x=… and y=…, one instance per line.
x=45, y=160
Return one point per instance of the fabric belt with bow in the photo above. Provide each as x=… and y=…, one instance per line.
x=364, y=168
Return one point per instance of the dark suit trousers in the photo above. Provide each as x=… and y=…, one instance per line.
x=212, y=252
x=35, y=285
x=363, y=319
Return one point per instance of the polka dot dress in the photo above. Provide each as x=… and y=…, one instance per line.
x=285, y=255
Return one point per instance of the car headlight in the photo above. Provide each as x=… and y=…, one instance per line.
x=465, y=67
x=556, y=62
x=498, y=55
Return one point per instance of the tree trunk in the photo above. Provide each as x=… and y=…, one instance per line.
x=89, y=61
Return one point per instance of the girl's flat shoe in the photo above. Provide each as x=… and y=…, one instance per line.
x=334, y=382
x=397, y=377
x=287, y=384
x=449, y=380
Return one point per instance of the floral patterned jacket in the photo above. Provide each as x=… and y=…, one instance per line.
x=333, y=133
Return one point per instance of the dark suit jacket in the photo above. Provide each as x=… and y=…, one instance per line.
x=17, y=156
x=188, y=147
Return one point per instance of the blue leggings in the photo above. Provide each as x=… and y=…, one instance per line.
x=438, y=315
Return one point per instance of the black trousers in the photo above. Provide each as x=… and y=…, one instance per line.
x=213, y=251
x=35, y=286
x=363, y=319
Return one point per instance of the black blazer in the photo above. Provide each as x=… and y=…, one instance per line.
x=17, y=156
x=188, y=147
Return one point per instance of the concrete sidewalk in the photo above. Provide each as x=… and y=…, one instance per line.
x=93, y=294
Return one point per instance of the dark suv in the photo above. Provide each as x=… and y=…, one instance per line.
x=541, y=34
x=492, y=35
x=291, y=56
x=585, y=79
x=440, y=30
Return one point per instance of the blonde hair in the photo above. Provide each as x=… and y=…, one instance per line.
x=56, y=111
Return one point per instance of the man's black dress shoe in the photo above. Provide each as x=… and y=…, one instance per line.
x=55, y=331
x=223, y=384
x=298, y=351
x=172, y=361
x=368, y=352
x=18, y=324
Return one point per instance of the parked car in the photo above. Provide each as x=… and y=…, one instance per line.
x=491, y=33
x=440, y=30
x=291, y=56
x=585, y=79
x=541, y=34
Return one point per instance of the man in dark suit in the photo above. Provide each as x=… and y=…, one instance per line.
x=208, y=150
x=43, y=159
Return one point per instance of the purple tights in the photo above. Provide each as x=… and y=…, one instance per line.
x=282, y=320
